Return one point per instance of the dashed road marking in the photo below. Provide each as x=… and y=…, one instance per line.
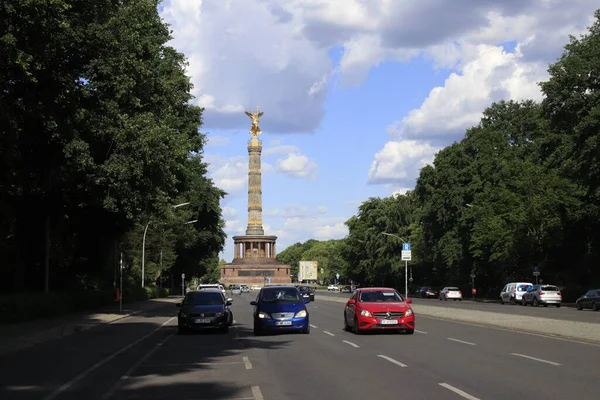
x=88, y=371
x=328, y=333
x=536, y=359
x=461, y=341
x=421, y=332
x=398, y=363
x=313, y=326
x=459, y=392
x=257, y=393
x=247, y=362
x=351, y=344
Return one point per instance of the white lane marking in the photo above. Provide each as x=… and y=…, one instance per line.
x=328, y=333
x=351, y=344
x=257, y=393
x=535, y=359
x=461, y=341
x=131, y=370
x=247, y=362
x=193, y=364
x=85, y=373
x=392, y=361
x=459, y=392
x=421, y=332
x=313, y=326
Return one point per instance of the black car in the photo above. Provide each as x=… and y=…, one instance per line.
x=205, y=309
x=307, y=293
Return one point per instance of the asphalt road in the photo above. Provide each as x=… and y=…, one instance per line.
x=563, y=313
x=142, y=357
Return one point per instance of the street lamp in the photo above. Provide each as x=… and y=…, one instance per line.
x=406, y=265
x=144, y=242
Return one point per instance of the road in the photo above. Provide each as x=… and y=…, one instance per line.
x=563, y=313
x=142, y=357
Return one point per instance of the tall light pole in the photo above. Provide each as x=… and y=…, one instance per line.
x=144, y=243
x=405, y=265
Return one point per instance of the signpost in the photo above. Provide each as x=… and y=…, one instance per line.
x=473, y=284
x=308, y=270
x=406, y=257
x=183, y=284
x=536, y=273
x=121, y=285
x=337, y=278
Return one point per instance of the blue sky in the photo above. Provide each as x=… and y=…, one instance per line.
x=357, y=96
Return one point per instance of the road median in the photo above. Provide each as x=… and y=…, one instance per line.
x=573, y=330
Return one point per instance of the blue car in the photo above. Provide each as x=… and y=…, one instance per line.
x=280, y=308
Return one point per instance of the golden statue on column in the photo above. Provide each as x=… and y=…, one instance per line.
x=254, y=128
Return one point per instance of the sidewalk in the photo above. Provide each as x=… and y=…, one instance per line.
x=18, y=336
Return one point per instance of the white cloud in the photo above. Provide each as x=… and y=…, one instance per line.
x=316, y=228
x=400, y=161
x=321, y=209
x=231, y=173
x=297, y=165
x=279, y=149
x=401, y=192
x=218, y=140
x=289, y=211
x=229, y=212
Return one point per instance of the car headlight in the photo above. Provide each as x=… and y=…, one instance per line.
x=366, y=313
x=263, y=315
x=183, y=315
x=301, y=314
x=409, y=313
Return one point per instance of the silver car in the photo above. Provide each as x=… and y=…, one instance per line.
x=537, y=295
x=235, y=289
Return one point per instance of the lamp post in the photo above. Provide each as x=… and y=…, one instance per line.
x=405, y=265
x=144, y=243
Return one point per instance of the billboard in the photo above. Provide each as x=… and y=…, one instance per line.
x=308, y=270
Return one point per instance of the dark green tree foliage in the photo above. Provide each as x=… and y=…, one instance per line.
x=98, y=138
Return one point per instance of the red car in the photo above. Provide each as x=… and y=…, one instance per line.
x=371, y=309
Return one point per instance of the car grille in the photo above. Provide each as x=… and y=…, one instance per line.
x=393, y=314
x=203, y=315
x=282, y=315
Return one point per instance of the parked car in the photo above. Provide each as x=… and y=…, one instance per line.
x=280, y=308
x=513, y=292
x=211, y=286
x=307, y=293
x=255, y=287
x=537, y=295
x=372, y=309
x=427, y=293
x=245, y=289
x=450, y=293
x=589, y=300
x=333, y=288
x=204, y=309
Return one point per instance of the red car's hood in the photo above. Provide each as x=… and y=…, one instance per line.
x=382, y=307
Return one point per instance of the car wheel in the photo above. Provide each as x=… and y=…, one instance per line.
x=594, y=307
x=579, y=307
x=306, y=330
x=347, y=327
x=257, y=330
x=558, y=306
x=230, y=321
x=409, y=331
x=535, y=303
x=181, y=330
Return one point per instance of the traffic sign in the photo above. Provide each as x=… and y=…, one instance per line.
x=536, y=268
x=337, y=276
x=406, y=255
x=410, y=280
x=182, y=276
x=472, y=275
x=405, y=246
x=536, y=273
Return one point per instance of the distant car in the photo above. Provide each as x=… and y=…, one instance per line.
x=333, y=288
x=280, y=308
x=255, y=287
x=211, y=286
x=235, y=289
x=204, y=309
x=589, y=300
x=451, y=293
x=245, y=289
x=373, y=309
x=307, y=292
x=427, y=293
x=537, y=295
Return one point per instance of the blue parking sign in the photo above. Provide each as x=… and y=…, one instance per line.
x=406, y=246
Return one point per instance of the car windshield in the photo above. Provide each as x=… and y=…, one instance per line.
x=550, y=288
x=204, y=299
x=281, y=295
x=380, y=296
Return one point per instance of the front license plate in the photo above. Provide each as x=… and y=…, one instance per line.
x=388, y=322
x=202, y=320
x=283, y=323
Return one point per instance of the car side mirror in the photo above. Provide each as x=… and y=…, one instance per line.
x=229, y=302
x=253, y=303
x=177, y=304
x=409, y=301
x=351, y=301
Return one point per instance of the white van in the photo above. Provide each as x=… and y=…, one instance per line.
x=513, y=292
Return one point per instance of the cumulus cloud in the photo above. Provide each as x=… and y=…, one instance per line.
x=400, y=161
x=317, y=228
x=231, y=173
x=321, y=209
x=297, y=165
x=214, y=141
x=288, y=211
x=401, y=191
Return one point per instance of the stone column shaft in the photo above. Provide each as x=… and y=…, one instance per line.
x=255, y=224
